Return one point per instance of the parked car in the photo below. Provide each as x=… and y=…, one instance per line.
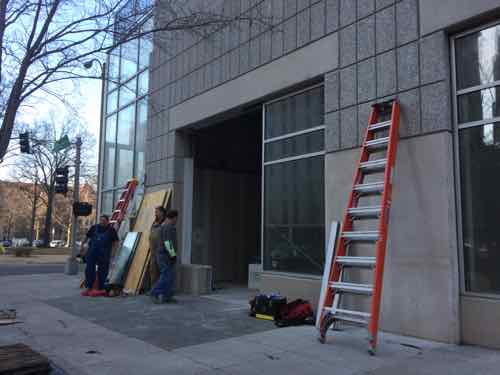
x=7, y=243
x=37, y=243
x=57, y=243
x=20, y=242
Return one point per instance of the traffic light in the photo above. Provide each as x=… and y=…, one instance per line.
x=82, y=209
x=61, y=178
x=24, y=142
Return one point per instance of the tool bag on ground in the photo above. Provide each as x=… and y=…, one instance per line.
x=267, y=305
x=295, y=313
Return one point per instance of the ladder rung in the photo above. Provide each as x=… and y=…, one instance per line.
x=368, y=262
x=364, y=212
x=376, y=144
x=373, y=165
x=380, y=125
x=352, y=288
x=369, y=235
x=369, y=188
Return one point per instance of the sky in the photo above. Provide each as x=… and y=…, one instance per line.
x=86, y=98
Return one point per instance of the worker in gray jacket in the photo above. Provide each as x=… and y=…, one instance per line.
x=165, y=253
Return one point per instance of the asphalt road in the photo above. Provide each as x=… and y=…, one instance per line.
x=30, y=269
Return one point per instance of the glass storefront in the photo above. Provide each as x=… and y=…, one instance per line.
x=294, y=207
x=477, y=67
x=126, y=118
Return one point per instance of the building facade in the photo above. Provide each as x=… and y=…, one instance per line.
x=257, y=128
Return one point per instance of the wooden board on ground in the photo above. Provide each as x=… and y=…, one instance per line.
x=145, y=219
x=21, y=359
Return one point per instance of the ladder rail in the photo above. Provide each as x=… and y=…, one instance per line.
x=381, y=244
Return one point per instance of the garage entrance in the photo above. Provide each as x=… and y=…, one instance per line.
x=227, y=197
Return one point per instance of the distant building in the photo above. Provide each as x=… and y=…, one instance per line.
x=257, y=129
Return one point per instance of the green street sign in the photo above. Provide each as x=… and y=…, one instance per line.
x=62, y=144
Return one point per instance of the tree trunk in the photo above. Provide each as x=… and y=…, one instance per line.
x=47, y=230
x=33, y=213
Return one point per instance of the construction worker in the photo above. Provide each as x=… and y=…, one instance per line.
x=156, y=243
x=166, y=256
x=102, y=239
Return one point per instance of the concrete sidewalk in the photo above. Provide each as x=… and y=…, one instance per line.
x=80, y=343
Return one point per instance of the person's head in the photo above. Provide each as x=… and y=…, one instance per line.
x=104, y=220
x=160, y=214
x=172, y=216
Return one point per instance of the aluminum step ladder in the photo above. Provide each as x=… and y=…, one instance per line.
x=378, y=155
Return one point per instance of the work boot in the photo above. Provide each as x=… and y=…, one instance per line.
x=86, y=293
x=164, y=299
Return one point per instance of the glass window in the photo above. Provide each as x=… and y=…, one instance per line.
x=109, y=152
x=107, y=203
x=125, y=145
x=112, y=103
x=478, y=58
x=114, y=68
x=129, y=58
x=145, y=52
x=479, y=105
x=480, y=183
x=127, y=92
x=143, y=83
x=294, y=231
x=295, y=113
x=140, y=138
x=298, y=145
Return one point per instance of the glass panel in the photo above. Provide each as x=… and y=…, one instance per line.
x=107, y=203
x=145, y=51
x=295, y=113
x=130, y=52
x=299, y=145
x=114, y=68
x=480, y=183
x=294, y=216
x=112, y=103
x=125, y=145
x=109, y=152
x=140, y=145
x=143, y=83
x=127, y=92
x=480, y=105
x=478, y=58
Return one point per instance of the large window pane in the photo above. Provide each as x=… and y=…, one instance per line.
x=129, y=58
x=145, y=51
x=478, y=58
x=125, y=145
x=298, y=145
x=140, y=146
x=127, y=92
x=143, y=83
x=480, y=105
x=480, y=184
x=294, y=232
x=107, y=203
x=112, y=102
x=114, y=68
x=295, y=113
x=109, y=152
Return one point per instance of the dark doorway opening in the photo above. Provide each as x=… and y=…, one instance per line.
x=227, y=197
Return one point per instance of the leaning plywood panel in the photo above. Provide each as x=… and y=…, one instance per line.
x=145, y=218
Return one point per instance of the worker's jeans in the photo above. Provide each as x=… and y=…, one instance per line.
x=165, y=284
x=101, y=259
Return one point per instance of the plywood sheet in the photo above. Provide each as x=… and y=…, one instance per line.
x=145, y=219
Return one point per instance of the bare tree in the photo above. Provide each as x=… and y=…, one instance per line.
x=41, y=164
x=46, y=42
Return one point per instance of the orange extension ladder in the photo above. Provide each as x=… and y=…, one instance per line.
x=121, y=206
x=378, y=155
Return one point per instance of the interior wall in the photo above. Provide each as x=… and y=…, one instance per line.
x=226, y=197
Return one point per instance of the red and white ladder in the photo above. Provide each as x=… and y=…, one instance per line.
x=364, y=223
x=121, y=206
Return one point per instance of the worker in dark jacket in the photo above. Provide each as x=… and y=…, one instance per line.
x=166, y=256
x=102, y=239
